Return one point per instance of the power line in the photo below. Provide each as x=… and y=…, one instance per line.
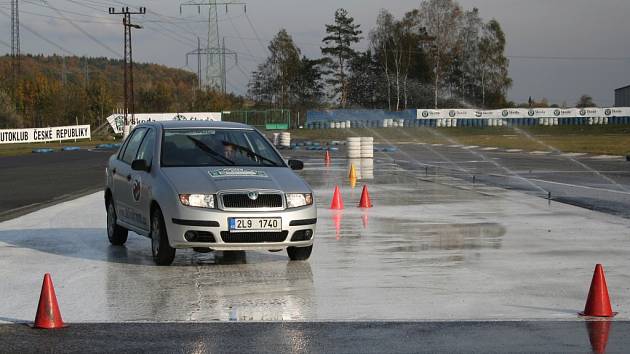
x=569, y=58
x=214, y=52
x=251, y=25
x=15, y=46
x=38, y=35
x=238, y=34
x=80, y=29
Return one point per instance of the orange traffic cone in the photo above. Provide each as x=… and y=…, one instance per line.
x=337, y=202
x=327, y=157
x=365, y=199
x=353, y=182
x=353, y=172
x=598, y=335
x=48, y=315
x=598, y=301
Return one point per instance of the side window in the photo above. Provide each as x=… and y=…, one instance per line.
x=121, y=151
x=132, y=146
x=146, y=148
x=260, y=144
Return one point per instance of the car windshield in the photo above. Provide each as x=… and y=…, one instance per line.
x=217, y=147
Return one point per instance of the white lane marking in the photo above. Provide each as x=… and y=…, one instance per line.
x=535, y=172
x=458, y=162
x=607, y=157
x=490, y=149
x=579, y=186
x=561, y=183
x=470, y=147
x=573, y=154
x=514, y=150
x=437, y=144
x=540, y=152
x=455, y=146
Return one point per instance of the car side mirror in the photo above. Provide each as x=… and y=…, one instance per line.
x=140, y=165
x=296, y=165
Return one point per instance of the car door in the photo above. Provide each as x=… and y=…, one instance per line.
x=142, y=181
x=122, y=177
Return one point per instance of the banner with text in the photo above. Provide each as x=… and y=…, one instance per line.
x=40, y=135
x=524, y=113
x=118, y=120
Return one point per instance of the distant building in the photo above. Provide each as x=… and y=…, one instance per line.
x=622, y=96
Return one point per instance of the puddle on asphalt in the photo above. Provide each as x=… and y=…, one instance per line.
x=413, y=236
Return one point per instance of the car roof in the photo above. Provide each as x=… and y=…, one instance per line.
x=183, y=124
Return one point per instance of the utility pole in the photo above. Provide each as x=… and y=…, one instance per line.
x=426, y=39
x=215, y=53
x=212, y=52
x=15, y=47
x=86, y=76
x=63, y=70
x=128, y=64
x=198, y=62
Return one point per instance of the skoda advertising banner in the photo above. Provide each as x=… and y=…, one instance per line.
x=118, y=120
x=524, y=113
x=429, y=113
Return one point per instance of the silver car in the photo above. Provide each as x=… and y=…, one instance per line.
x=207, y=186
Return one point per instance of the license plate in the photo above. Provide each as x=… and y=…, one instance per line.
x=255, y=224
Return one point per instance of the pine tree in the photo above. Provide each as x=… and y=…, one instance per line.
x=338, y=52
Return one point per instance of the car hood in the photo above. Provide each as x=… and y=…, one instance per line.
x=211, y=180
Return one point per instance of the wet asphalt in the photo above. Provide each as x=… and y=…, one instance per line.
x=31, y=182
x=322, y=337
x=444, y=249
x=598, y=183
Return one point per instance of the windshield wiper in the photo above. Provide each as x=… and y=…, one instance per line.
x=251, y=153
x=205, y=148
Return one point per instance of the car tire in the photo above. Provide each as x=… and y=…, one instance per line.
x=163, y=253
x=299, y=253
x=116, y=234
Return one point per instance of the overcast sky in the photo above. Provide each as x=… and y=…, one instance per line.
x=589, y=39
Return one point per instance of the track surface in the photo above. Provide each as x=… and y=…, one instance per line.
x=33, y=181
x=421, y=255
x=597, y=184
x=323, y=337
x=594, y=182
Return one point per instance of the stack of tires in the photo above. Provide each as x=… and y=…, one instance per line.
x=354, y=147
x=367, y=169
x=367, y=147
x=285, y=139
x=276, y=139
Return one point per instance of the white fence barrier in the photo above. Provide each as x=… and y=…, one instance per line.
x=40, y=135
x=451, y=118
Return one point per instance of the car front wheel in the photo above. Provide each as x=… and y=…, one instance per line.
x=299, y=253
x=116, y=234
x=163, y=253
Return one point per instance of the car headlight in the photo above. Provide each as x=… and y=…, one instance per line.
x=197, y=200
x=295, y=200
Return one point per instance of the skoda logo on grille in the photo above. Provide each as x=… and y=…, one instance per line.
x=252, y=195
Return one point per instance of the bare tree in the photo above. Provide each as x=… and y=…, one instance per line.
x=441, y=19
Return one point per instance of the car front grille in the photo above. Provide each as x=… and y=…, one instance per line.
x=242, y=201
x=253, y=237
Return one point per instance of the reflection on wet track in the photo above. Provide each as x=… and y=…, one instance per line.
x=430, y=248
